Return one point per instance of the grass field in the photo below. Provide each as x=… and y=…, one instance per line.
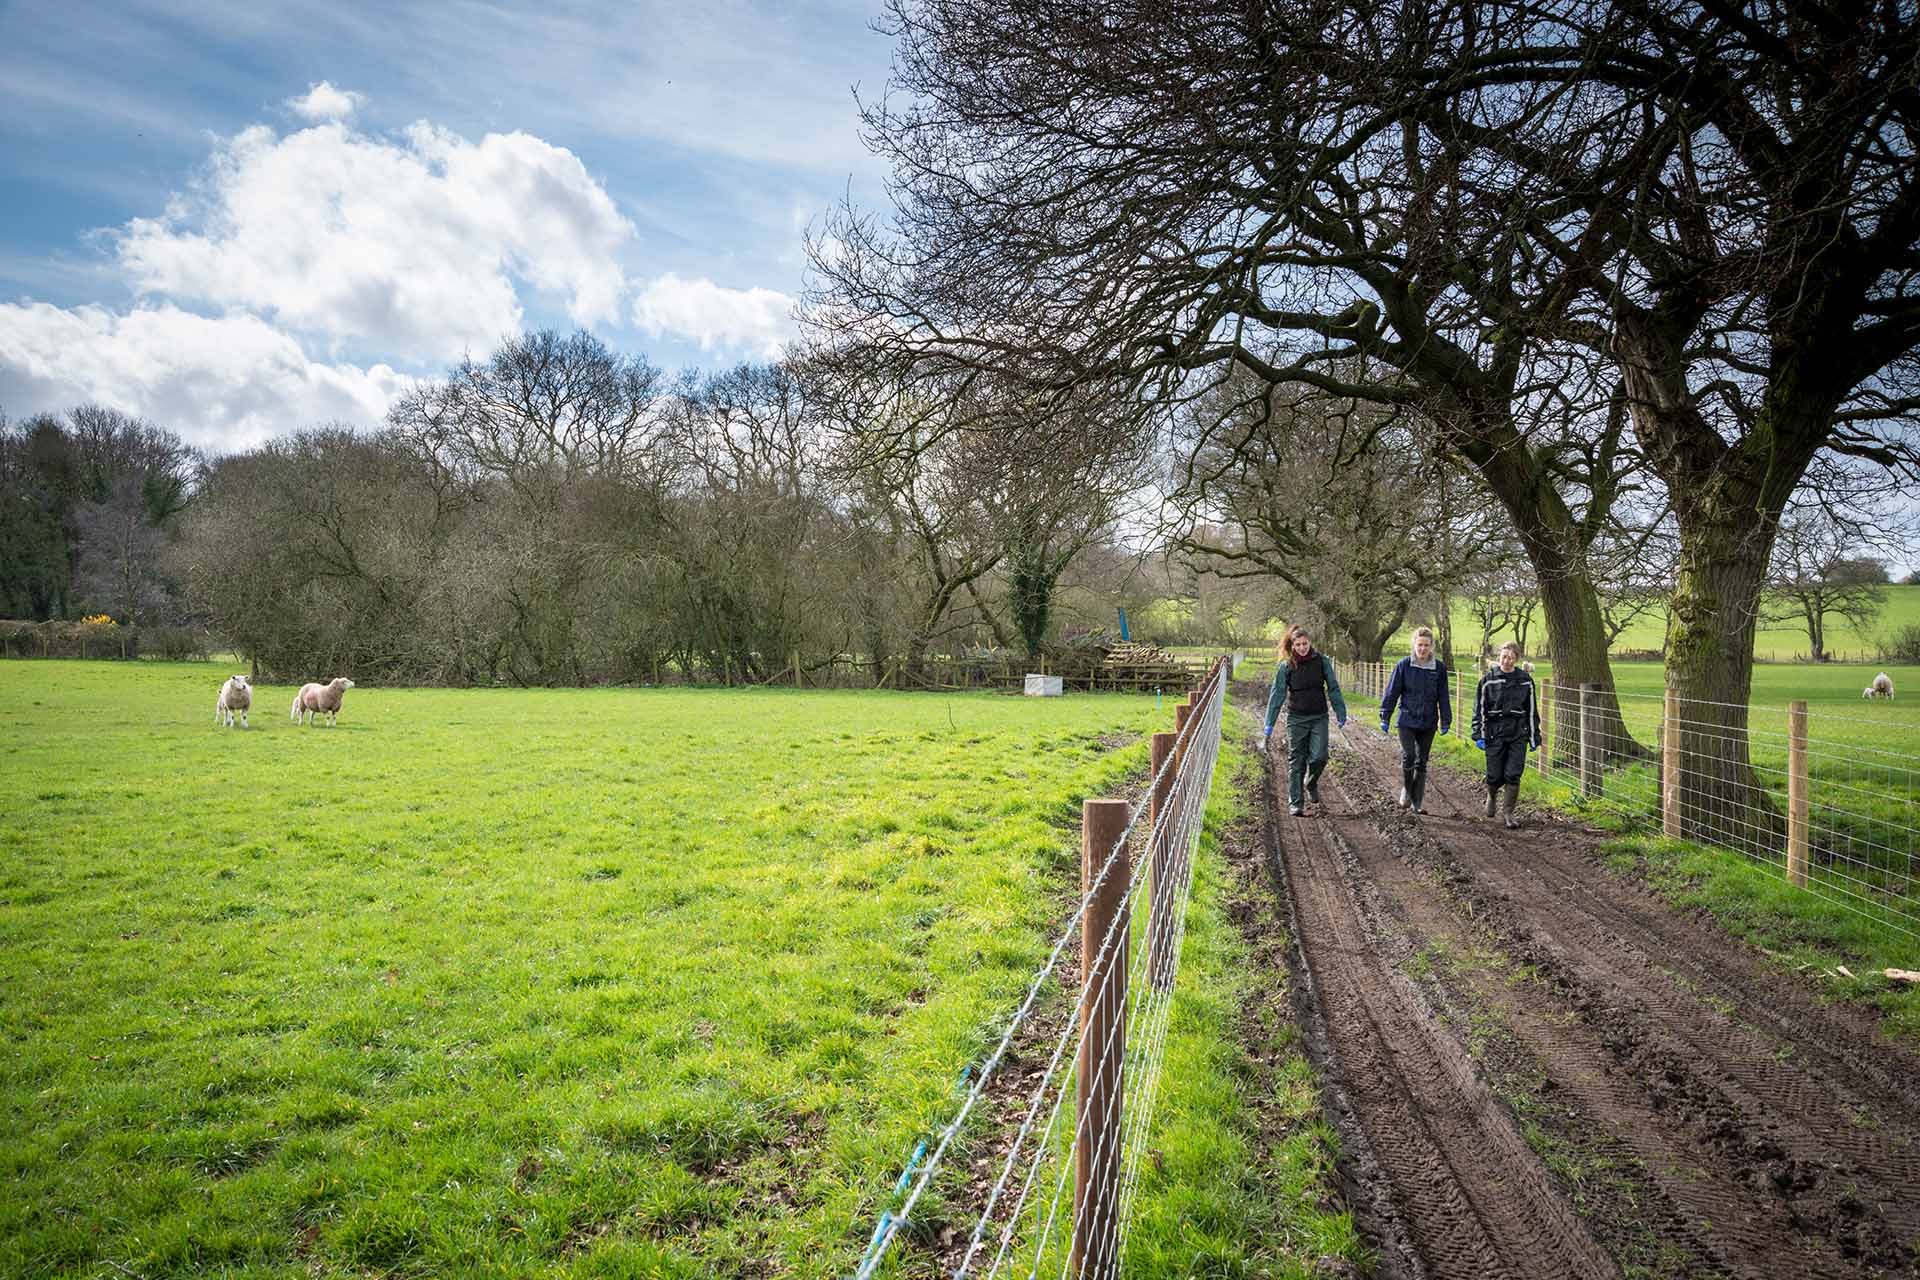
x=569, y=983
x=1773, y=642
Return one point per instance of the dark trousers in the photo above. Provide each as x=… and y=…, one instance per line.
x=1415, y=745
x=1306, y=755
x=1506, y=759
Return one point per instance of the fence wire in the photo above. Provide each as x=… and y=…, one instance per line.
x=1025, y=1222
x=1734, y=784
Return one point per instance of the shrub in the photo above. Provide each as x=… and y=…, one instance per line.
x=1904, y=647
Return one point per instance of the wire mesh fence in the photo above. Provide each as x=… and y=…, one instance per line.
x=1061, y=1194
x=1827, y=800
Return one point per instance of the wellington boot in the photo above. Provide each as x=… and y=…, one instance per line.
x=1418, y=790
x=1493, y=798
x=1511, y=796
x=1406, y=787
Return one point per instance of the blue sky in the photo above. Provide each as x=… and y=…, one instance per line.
x=239, y=219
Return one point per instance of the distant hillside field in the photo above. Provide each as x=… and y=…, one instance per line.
x=1778, y=642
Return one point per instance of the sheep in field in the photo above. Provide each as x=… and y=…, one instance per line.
x=1882, y=687
x=236, y=695
x=313, y=699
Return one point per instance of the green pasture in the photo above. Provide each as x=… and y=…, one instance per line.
x=550, y=982
x=1781, y=642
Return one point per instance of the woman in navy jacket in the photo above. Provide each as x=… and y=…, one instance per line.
x=1419, y=686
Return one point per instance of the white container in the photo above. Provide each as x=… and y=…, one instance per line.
x=1043, y=686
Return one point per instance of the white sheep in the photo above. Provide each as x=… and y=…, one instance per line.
x=1882, y=687
x=236, y=695
x=313, y=699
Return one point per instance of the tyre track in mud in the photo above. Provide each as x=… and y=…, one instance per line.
x=1461, y=1192
x=1739, y=1128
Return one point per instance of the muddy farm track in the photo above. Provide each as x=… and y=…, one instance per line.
x=1538, y=1069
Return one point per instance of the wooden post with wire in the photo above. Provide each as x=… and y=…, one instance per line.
x=1799, y=804
x=1549, y=722
x=1160, y=924
x=1103, y=1040
x=1591, y=761
x=1670, y=765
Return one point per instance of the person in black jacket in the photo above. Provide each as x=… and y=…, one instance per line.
x=1506, y=725
x=1419, y=685
x=1306, y=686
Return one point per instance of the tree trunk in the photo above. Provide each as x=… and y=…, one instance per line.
x=1576, y=628
x=1727, y=503
x=1710, y=667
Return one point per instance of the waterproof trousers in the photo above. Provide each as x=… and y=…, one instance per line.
x=1306, y=755
x=1506, y=759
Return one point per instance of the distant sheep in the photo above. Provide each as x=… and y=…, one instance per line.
x=236, y=695
x=1882, y=687
x=1527, y=667
x=314, y=699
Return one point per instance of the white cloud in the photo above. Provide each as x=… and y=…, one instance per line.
x=757, y=320
x=324, y=102
x=224, y=383
x=411, y=246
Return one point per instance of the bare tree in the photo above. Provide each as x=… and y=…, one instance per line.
x=1819, y=572
x=1137, y=202
x=541, y=411
x=1634, y=564
x=1504, y=598
x=1337, y=498
x=122, y=556
x=927, y=504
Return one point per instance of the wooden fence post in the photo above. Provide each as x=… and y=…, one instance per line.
x=1590, y=757
x=1799, y=805
x=1103, y=1036
x=1160, y=923
x=1670, y=765
x=1549, y=717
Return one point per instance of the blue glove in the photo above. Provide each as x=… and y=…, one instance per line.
x=1383, y=726
x=1480, y=743
x=1445, y=729
x=1267, y=737
x=1343, y=722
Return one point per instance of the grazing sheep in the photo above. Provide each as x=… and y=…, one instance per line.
x=1882, y=687
x=235, y=695
x=1527, y=667
x=316, y=698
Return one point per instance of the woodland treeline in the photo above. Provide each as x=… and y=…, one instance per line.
x=560, y=513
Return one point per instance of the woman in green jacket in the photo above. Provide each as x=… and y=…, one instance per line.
x=1305, y=683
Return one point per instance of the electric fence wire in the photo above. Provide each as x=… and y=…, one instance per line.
x=1148, y=1016
x=1172, y=833
x=1196, y=749
x=1144, y=1051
